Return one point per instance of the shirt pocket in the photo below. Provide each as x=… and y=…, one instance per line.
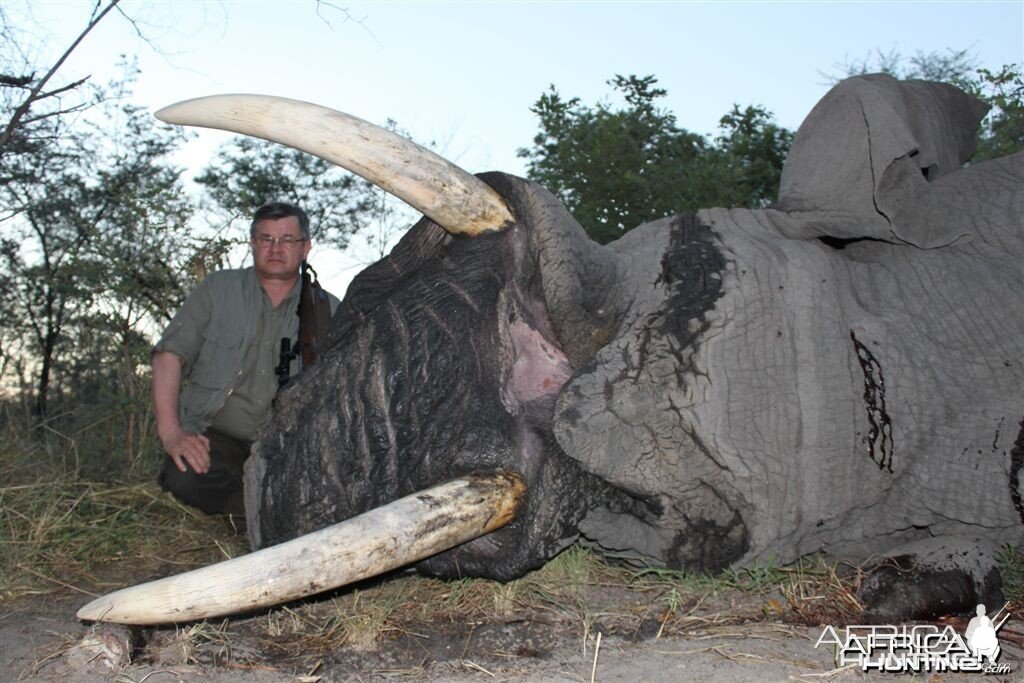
x=219, y=358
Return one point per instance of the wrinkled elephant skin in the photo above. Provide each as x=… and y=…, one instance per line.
x=711, y=389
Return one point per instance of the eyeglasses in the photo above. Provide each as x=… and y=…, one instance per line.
x=288, y=242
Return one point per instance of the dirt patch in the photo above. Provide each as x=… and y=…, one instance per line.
x=578, y=618
x=50, y=644
x=410, y=628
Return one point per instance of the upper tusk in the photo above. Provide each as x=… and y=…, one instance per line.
x=388, y=537
x=459, y=202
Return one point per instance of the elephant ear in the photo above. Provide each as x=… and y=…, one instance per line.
x=868, y=149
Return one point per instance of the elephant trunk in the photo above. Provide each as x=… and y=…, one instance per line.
x=580, y=277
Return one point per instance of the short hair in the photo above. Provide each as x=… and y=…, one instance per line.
x=275, y=210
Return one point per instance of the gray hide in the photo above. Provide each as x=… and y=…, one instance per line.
x=847, y=399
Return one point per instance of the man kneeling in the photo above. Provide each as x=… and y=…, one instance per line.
x=214, y=374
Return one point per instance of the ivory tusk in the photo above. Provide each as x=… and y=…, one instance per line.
x=459, y=202
x=388, y=537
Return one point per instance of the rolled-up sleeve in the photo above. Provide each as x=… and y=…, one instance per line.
x=184, y=334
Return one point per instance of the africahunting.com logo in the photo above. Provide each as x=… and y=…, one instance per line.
x=924, y=648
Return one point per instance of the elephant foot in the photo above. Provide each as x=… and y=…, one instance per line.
x=931, y=578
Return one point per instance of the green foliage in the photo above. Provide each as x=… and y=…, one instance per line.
x=756, y=577
x=753, y=149
x=95, y=240
x=615, y=168
x=99, y=247
x=1002, y=130
x=1011, y=566
x=247, y=173
x=951, y=66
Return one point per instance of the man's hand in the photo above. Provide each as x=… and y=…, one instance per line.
x=187, y=447
x=181, y=446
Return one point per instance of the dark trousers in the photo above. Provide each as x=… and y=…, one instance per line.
x=219, y=490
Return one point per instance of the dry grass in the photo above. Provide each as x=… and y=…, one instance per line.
x=94, y=537
x=59, y=533
x=1011, y=562
x=409, y=605
x=817, y=594
x=91, y=536
x=61, y=530
x=577, y=592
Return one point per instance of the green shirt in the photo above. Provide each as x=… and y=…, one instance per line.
x=228, y=337
x=247, y=407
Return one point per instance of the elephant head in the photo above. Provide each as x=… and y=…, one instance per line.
x=709, y=390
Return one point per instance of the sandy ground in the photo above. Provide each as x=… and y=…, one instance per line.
x=41, y=640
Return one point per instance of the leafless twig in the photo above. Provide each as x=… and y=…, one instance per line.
x=33, y=95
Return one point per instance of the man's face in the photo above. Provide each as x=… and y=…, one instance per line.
x=277, y=259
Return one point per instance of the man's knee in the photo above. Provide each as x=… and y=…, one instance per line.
x=217, y=491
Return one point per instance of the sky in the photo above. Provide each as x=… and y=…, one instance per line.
x=463, y=75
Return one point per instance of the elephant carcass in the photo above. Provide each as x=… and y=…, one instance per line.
x=756, y=392
x=839, y=373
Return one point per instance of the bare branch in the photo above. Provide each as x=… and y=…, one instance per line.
x=138, y=32
x=344, y=10
x=60, y=112
x=345, y=13
x=70, y=86
x=20, y=112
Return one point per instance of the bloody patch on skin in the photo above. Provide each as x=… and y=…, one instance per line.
x=879, y=438
x=1016, y=462
x=692, y=269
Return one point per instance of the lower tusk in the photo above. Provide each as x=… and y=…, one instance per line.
x=385, y=538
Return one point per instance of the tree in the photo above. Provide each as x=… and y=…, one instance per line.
x=95, y=241
x=85, y=211
x=613, y=168
x=29, y=109
x=752, y=148
x=97, y=247
x=247, y=173
x=617, y=168
x=1002, y=131
x=952, y=66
